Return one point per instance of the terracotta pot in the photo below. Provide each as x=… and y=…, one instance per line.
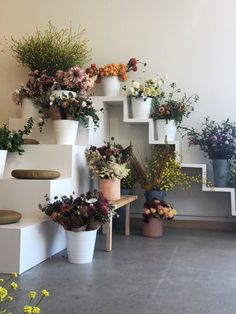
x=110, y=188
x=153, y=229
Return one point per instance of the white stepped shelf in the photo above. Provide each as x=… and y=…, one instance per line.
x=108, y=102
x=24, y=197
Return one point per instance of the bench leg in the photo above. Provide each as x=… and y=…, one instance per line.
x=127, y=219
x=108, y=244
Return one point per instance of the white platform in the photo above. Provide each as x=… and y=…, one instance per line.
x=28, y=243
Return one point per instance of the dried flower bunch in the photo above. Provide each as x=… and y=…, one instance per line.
x=217, y=139
x=170, y=108
x=89, y=210
x=108, y=161
x=114, y=69
x=150, y=88
x=12, y=140
x=158, y=209
x=9, y=284
x=162, y=171
x=50, y=49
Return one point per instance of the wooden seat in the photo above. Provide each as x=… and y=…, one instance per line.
x=35, y=174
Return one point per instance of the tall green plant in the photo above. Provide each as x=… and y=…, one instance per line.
x=50, y=49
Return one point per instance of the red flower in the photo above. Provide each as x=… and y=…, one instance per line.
x=133, y=62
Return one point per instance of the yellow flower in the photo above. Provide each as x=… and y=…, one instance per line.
x=3, y=292
x=44, y=293
x=1, y=280
x=9, y=298
x=152, y=210
x=13, y=285
x=32, y=294
x=14, y=274
x=35, y=310
x=27, y=309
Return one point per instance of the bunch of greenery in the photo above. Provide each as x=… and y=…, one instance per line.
x=12, y=140
x=50, y=49
x=128, y=181
x=7, y=285
x=162, y=171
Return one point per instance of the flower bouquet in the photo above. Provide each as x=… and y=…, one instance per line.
x=81, y=217
x=168, y=112
x=112, y=74
x=140, y=96
x=155, y=211
x=109, y=163
x=218, y=140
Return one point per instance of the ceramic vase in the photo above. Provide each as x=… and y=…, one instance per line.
x=221, y=172
x=110, y=188
x=149, y=195
x=29, y=109
x=80, y=246
x=65, y=131
x=153, y=228
x=111, y=86
x=141, y=108
x=165, y=129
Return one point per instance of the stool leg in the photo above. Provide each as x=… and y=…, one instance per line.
x=127, y=219
x=108, y=245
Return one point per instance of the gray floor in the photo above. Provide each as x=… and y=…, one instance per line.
x=185, y=272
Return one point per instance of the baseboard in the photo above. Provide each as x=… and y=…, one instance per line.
x=190, y=224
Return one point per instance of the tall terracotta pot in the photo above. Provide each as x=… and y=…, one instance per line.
x=110, y=188
x=153, y=228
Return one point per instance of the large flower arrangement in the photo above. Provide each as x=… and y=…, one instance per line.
x=170, y=108
x=89, y=210
x=158, y=209
x=161, y=171
x=7, y=285
x=150, y=88
x=108, y=161
x=217, y=139
x=114, y=69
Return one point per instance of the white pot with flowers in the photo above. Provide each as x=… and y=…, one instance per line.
x=140, y=97
x=111, y=75
x=168, y=112
x=80, y=217
x=109, y=164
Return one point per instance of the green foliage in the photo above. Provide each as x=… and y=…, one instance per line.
x=129, y=181
x=12, y=140
x=50, y=49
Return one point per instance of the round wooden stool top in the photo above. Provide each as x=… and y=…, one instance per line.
x=9, y=217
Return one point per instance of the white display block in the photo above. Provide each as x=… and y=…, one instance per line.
x=29, y=242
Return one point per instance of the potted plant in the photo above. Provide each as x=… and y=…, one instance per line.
x=168, y=112
x=155, y=211
x=140, y=96
x=218, y=141
x=112, y=74
x=109, y=164
x=11, y=141
x=8, y=284
x=50, y=49
x=81, y=217
x=160, y=173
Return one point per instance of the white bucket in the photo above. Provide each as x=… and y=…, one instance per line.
x=29, y=109
x=111, y=86
x=65, y=131
x=80, y=246
x=166, y=130
x=141, y=108
x=3, y=157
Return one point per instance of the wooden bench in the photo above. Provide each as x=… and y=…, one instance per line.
x=125, y=200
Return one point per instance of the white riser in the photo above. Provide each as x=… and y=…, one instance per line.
x=28, y=243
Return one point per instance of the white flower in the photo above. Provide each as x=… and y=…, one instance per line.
x=136, y=84
x=51, y=98
x=84, y=103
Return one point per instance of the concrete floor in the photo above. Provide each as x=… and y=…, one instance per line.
x=185, y=272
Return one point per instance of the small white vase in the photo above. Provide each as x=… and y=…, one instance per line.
x=65, y=131
x=166, y=129
x=111, y=86
x=80, y=246
x=62, y=92
x=29, y=109
x=141, y=108
x=3, y=157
